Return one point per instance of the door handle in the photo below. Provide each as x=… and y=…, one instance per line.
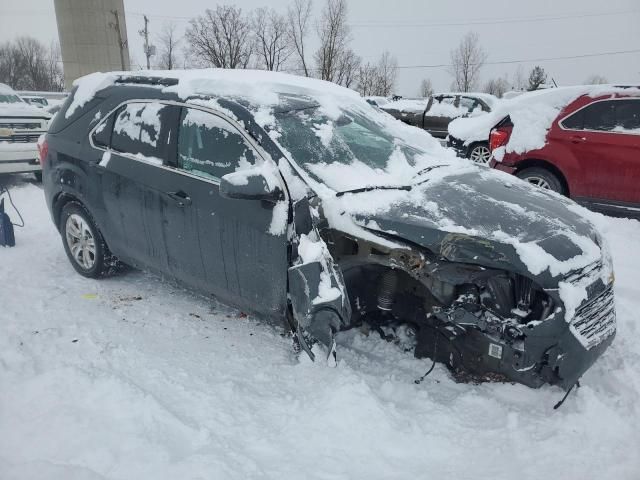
x=577, y=139
x=181, y=198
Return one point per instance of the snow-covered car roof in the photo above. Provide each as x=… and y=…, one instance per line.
x=532, y=114
x=258, y=87
x=487, y=98
x=11, y=105
x=412, y=105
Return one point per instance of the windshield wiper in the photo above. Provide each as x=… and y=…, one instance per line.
x=375, y=187
x=428, y=169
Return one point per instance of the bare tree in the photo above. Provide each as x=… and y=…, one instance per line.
x=27, y=64
x=168, y=42
x=426, y=88
x=466, y=61
x=298, y=16
x=334, y=36
x=378, y=79
x=347, y=70
x=496, y=86
x=596, y=80
x=388, y=71
x=221, y=37
x=368, y=79
x=273, y=44
x=519, y=80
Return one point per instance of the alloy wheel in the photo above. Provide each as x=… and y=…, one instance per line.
x=81, y=242
x=538, y=182
x=480, y=154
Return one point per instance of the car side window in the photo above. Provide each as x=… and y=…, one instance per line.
x=102, y=134
x=610, y=115
x=141, y=129
x=600, y=116
x=209, y=146
x=468, y=103
x=628, y=116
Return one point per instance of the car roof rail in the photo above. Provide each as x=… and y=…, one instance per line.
x=146, y=80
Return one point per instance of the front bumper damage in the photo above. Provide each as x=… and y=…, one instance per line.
x=552, y=351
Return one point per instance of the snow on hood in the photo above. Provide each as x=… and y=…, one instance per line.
x=507, y=221
x=22, y=110
x=532, y=114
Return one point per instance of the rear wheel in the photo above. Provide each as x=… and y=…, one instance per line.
x=480, y=153
x=83, y=242
x=542, y=178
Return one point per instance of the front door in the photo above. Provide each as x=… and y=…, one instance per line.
x=242, y=244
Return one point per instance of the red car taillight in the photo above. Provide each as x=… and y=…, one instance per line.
x=43, y=149
x=499, y=137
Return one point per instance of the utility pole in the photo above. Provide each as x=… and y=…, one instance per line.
x=116, y=26
x=147, y=48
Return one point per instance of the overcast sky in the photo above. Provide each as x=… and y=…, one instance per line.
x=420, y=33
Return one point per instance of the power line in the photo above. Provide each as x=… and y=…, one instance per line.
x=538, y=18
x=495, y=22
x=503, y=62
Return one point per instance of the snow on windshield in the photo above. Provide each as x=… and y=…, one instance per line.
x=358, y=149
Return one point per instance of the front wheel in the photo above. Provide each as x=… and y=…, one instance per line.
x=480, y=153
x=542, y=178
x=83, y=242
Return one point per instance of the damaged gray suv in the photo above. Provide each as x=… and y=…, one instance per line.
x=295, y=199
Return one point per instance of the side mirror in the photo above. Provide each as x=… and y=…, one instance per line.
x=250, y=184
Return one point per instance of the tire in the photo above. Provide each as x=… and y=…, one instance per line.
x=480, y=154
x=542, y=178
x=84, y=244
x=38, y=176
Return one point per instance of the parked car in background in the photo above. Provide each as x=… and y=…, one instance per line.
x=377, y=101
x=21, y=125
x=35, y=100
x=296, y=199
x=435, y=113
x=583, y=142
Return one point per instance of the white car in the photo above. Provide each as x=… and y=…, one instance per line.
x=21, y=125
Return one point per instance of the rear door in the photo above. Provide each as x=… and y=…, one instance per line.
x=605, y=139
x=140, y=142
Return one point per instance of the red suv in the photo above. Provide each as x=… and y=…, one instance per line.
x=591, y=152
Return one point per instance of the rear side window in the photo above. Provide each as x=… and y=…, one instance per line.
x=611, y=115
x=141, y=129
x=209, y=146
x=102, y=135
x=628, y=116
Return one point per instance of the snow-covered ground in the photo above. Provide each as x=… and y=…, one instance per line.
x=135, y=378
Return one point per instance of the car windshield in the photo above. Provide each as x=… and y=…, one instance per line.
x=9, y=98
x=344, y=153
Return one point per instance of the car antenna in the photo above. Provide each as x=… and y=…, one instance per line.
x=559, y=404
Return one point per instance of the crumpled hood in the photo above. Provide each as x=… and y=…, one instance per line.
x=485, y=217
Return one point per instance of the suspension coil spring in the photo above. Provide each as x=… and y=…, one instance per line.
x=387, y=290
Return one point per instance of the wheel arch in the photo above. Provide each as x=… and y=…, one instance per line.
x=539, y=163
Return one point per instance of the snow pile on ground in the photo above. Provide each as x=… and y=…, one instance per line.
x=133, y=377
x=531, y=113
